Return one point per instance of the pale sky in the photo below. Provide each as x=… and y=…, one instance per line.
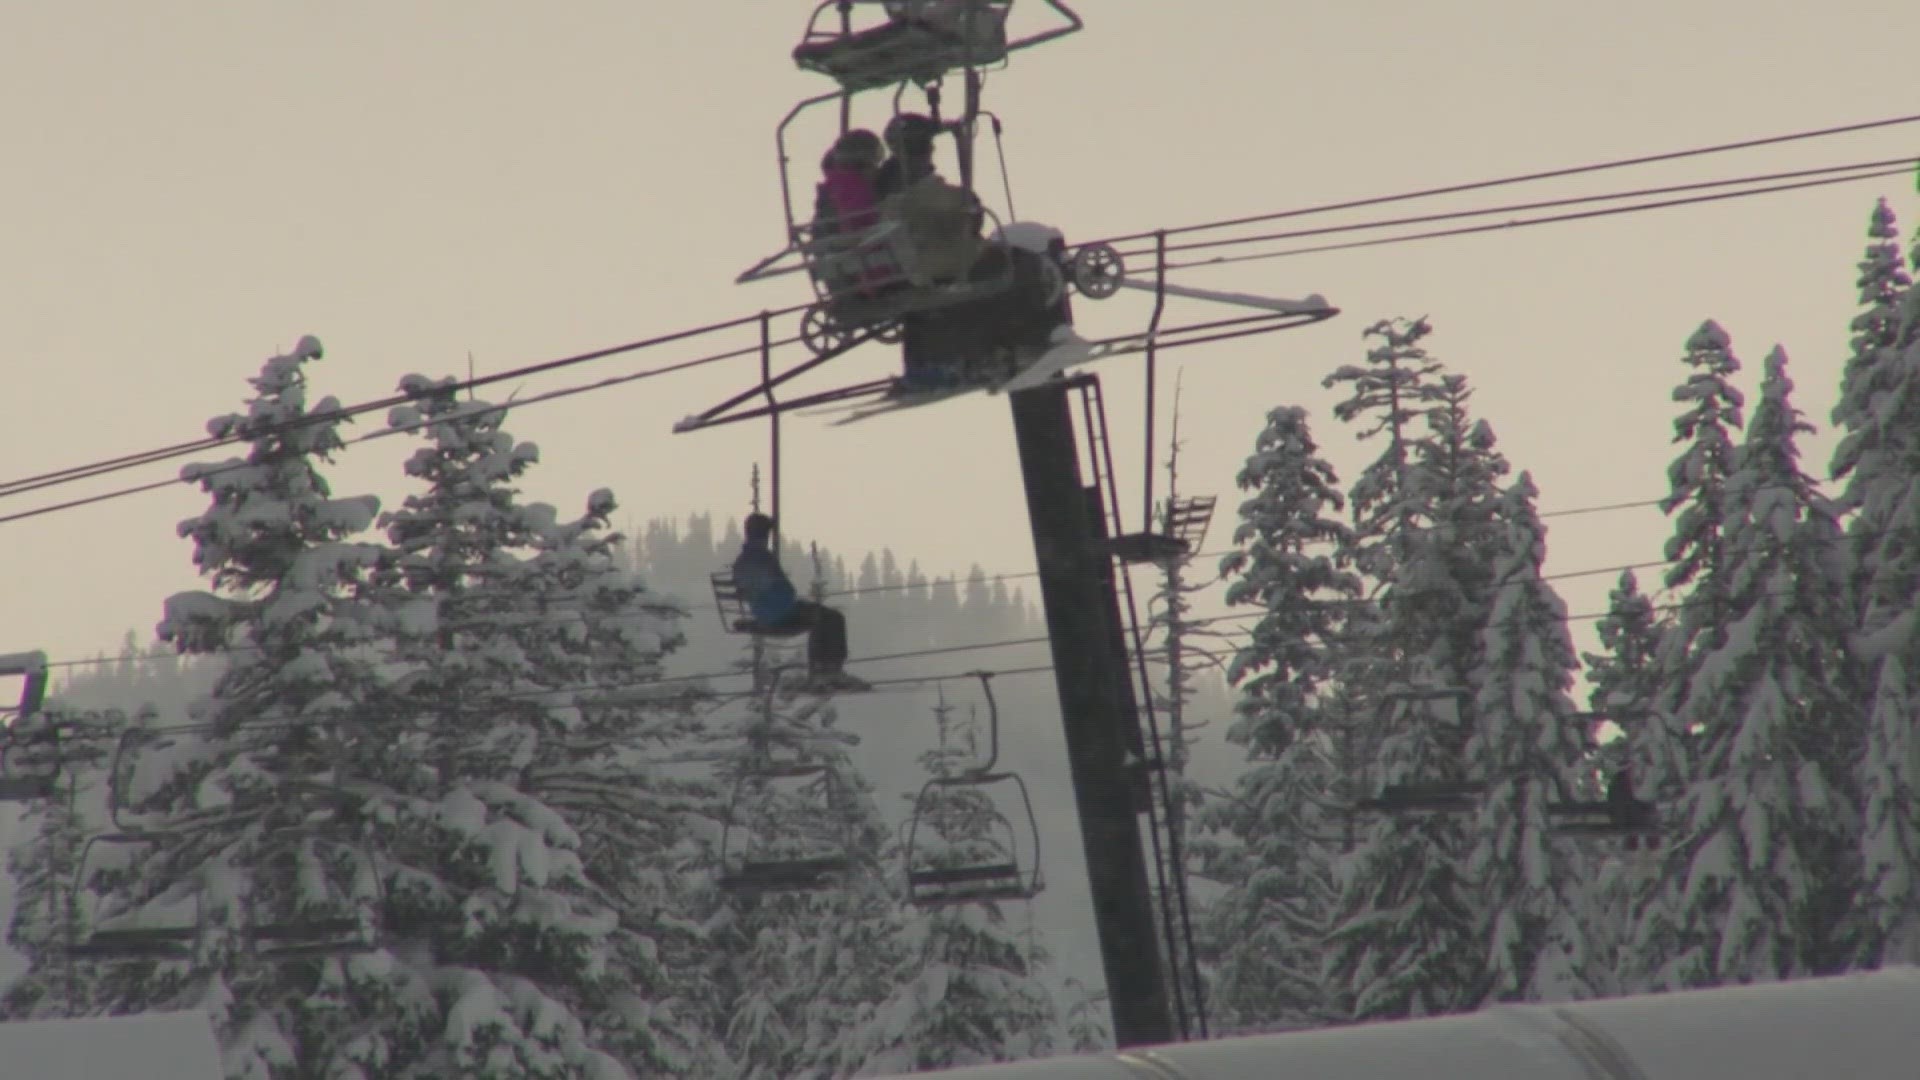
x=192, y=187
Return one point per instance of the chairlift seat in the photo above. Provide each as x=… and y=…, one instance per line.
x=956, y=875
x=1606, y=818
x=914, y=48
x=968, y=884
x=1143, y=547
x=1437, y=796
x=28, y=788
x=787, y=875
x=295, y=930
x=980, y=883
x=139, y=943
x=786, y=770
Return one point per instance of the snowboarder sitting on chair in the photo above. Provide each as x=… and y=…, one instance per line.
x=775, y=605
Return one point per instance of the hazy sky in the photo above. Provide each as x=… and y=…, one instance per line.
x=191, y=187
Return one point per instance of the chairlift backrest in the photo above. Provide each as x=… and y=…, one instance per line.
x=33, y=665
x=27, y=781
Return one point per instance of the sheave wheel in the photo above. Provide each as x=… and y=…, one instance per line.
x=1098, y=271
x=820, y=331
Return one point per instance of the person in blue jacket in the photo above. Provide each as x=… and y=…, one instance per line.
x=776, y=605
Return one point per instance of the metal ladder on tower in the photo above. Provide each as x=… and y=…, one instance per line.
x=1167, y=857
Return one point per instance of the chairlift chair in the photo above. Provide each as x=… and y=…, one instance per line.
x=30, y=750
x=132, y=941
x=328, y=929
x=1621, y=813
x=1183, y=523
x=751, y=866
x=961, y=873
x=915, y=41
x=958, y=873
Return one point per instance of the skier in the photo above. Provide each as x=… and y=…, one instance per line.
x=938, y=225
x=910, y=140
x=776, y=605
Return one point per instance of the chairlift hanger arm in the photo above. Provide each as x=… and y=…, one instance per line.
x=1073, y=26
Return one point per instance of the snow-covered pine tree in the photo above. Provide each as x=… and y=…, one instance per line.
x=1760, y=880
x=1274, y=834
x=1707, y=426
x=1407, y=938
x=528, y=827
x=1879, y=455
x=1625, y=679
x=1530, y=745
x=1625, y=692
x=248, y=829
x=1868, y=447
x=1392, y=392
x=1086, y=1019
x=1889, y=903
x=968, y=989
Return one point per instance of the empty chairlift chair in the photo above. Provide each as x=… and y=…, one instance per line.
x=138, y=934
x=1183, y=521
x=968, y=854
x=768, y=848
x=899, y=41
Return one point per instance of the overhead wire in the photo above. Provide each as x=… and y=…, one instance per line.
x=1470, y=230
x=328, y=416
x=1520, y=178
x=602, y=384
x=1903, y=164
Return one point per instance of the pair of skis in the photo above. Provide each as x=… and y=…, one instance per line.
x=1068, y=352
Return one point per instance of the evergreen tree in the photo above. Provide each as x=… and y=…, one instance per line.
x=1086, y=1019
x=1265, y=929
x=1865, y=451
x=1406, y=939
x=1890, y=829
x=1529, y=742
x=1880, y=457
x=1626, y=692
x=1698, y=477
x=1759, y=882
x=535, y=821
x=1395, y=390
x=251, y=832
x=1625, y=679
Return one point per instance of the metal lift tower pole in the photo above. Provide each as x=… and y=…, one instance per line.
x=1094, y=687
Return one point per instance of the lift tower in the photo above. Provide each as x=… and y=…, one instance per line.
x=1096, y=705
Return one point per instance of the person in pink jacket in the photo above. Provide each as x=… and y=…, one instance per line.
x=846, y=205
